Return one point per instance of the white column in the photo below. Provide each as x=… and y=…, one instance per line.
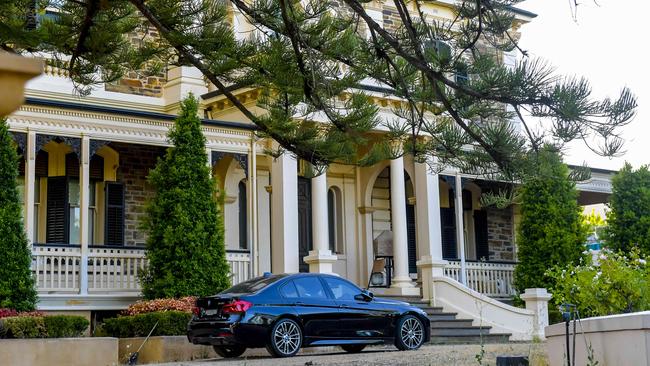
x=84, y=189
x=30, y=179
x=460, y=233
x=429, y=233
x=284, y=214
x=320, y=259
x=401, y=282
x=537, y=300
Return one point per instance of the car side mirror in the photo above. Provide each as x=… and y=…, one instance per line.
x=364, y=296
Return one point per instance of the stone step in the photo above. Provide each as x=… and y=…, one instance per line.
x=441, y=316
x=459, y=331
x=452, y=323
x=471, y=339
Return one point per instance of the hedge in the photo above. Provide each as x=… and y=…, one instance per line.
x=53, y=326
x=170, y=323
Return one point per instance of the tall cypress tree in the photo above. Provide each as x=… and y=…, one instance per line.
x=551, y=231
x=16, y=281
x=185, y=244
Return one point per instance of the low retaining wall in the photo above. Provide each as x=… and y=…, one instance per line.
x=615, y=340
x=163, y=349
x=98, y=351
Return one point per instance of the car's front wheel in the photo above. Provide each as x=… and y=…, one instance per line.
x=285, y=338
x=353, y=348
x=409, y=334
x=229, y=351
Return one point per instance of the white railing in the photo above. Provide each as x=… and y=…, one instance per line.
x=57, y=268
x=240, y=266
x=489, y=278
x=115, y=269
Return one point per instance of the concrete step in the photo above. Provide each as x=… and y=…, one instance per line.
x=441, y=316
x=451, y=323
x=459, y=331
x=472, y=339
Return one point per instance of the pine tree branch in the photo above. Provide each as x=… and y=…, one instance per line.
x=92, y=7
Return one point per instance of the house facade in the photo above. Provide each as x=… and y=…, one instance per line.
x=83, y=179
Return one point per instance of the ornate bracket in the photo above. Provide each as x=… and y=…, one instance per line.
x=73, y=142
x=21, y=141
x=96, y=145
x=242, y=159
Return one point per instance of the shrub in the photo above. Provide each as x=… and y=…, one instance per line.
x=185, y=243
x=52, y=326
x=614, y=284
x=551, y=232
x=184, y=304
x=170, y=323
x=62, y=326
x=628, y=218
x=5, y=313
x=16, y=282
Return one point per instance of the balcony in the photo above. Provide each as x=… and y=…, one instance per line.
x=111, y=278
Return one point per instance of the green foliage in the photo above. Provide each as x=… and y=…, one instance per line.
x=53, y=326
x=551, y=232
x=185, y=244
x=316, y=60
x=64, y=326
x=629, y=216
x=16, y=282
x=169, y=323
x=614, y=284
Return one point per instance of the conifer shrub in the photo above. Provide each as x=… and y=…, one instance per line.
x=185, y=244
x=16, y=282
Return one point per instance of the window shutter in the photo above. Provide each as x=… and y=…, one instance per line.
x=481, y=235
x=96, y=168
x=41, y=163
x=114, y=229
x=57, y=211
x=72, y=165
x=448, y=226
x=410, y=238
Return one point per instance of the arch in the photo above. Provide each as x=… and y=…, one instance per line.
x=335, y=218
x=111, y=162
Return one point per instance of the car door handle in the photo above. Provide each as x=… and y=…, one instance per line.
x=299, y=303
x=344, y=306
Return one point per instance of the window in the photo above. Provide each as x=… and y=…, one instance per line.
x=74, y=218
x=288, y=290
x=341, y=289
x=92, y=206
x=310, y=288
x=253, y=285
x=335, y=220
x=243, y=224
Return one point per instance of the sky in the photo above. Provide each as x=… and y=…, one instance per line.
x=606, y=43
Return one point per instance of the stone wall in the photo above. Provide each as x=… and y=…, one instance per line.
x=148, y=81
x=135, y=163
x=501, y=234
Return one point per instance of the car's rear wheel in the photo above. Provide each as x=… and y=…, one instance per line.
x=229, y=351
x=353, y=348
x=409, y=334
x=285, y=338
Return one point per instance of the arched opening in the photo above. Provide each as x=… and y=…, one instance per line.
x=335, y=219
x=243, y=215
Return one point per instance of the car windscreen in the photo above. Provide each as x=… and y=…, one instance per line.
x=252, y=286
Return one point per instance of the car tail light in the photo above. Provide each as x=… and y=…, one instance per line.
x=237, y=306
x=196, y=310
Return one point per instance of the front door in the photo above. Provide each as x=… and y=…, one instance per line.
x=304, y=222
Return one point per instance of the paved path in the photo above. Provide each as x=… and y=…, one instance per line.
x=447, y=355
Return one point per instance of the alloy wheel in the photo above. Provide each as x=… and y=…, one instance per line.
x=412, y=333
x=287, y=337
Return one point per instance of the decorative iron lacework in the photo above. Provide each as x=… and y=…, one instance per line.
x=21, y=141
x=96, y=145
x=242, y=159
x=73, y=142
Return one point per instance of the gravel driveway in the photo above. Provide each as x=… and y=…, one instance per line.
x=448, y=355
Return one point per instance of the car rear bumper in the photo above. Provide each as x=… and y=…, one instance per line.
x=226, y=333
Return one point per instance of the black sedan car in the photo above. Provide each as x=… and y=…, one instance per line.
x=286, y=312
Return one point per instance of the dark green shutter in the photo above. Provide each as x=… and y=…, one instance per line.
x=72, y=165
x=243, y=225
x=481, y=235
x=410, y=238
x=331, y=225
x=96, y=168
x=448, y=226
x=57, y=211
x=41, y=163
x=114, y=229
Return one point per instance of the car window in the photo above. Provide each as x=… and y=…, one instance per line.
x=342, y=290
x=253, y=285
x=288, y=290
x=310, y=288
